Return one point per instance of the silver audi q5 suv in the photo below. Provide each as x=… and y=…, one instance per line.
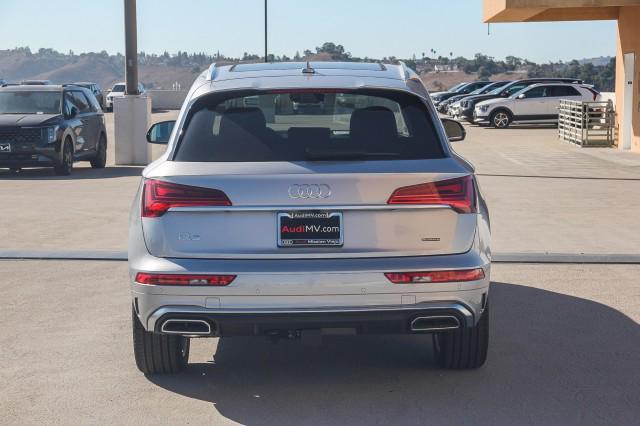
x=308, y=199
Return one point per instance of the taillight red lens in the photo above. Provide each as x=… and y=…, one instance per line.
x=160, y=196
x=435, y=276
x=184, y=279
x=458, y=193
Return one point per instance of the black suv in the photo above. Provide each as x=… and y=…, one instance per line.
x=50, y=126
x=457, y=90
x=95, y=89
x=468, y=104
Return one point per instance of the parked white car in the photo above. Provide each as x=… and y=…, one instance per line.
x=537, y=103
x=118, y=91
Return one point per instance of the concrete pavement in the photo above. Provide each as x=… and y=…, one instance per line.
x=564, y=350
x=564, y=337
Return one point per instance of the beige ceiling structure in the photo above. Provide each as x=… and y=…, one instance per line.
x=627, y=15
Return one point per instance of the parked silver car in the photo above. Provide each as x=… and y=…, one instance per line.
x=354, y=216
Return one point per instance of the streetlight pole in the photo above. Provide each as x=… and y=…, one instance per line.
x=266, y=54
x=131, y=47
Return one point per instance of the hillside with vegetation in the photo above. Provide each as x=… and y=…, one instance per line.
x=166, y=70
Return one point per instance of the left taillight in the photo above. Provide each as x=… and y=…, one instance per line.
x=184, y=279
x=457, y=193
x=159, y=196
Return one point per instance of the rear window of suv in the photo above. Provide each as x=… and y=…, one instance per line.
x=318, y=125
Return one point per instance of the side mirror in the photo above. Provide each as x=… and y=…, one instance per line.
x=454, y=130
x=160, y=132
x=522, y=96
x=73, y=112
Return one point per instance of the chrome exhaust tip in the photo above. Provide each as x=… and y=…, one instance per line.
x=186, y=327
x=435, y=323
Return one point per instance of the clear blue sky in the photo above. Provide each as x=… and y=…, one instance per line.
x=373, y=28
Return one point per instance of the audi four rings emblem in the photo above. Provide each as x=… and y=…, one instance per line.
x=309, y=191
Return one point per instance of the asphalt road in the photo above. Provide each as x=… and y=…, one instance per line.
x=564, y=350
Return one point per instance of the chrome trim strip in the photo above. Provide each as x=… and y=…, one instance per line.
x=309, y=207
x=177, y=310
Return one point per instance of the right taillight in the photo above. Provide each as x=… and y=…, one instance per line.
x=435, y=276
x=457, y=193
x=159, y=196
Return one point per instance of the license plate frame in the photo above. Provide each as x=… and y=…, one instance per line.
x=305, y=218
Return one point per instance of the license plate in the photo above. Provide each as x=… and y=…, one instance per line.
x=5, y=147
x=310, y=228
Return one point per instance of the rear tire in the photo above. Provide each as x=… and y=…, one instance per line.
x=500, y=119
x=63, y=168
x=100, y=159
x=463, y=349
x=158, y=353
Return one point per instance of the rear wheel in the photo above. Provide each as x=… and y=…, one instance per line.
x=158, y=353
x=64, y=166
x=500, y=119
x=465, y=348
x=100, y=160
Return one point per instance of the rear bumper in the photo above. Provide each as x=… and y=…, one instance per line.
x=297, y=294
x=291, y=323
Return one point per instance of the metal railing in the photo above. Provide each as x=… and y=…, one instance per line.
x=586, y=123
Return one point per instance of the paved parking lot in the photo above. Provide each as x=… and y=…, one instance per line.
x=564, y=350
x=564, y=344
x=544, y=196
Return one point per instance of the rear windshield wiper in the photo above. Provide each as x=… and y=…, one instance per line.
x=327, y=155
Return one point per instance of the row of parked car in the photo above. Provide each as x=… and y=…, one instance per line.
x=501, y=103
x=105, y=101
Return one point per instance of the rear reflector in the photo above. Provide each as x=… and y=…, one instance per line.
x=435, y=276
x=457, y=193
x=160, y=196
x=184, y=279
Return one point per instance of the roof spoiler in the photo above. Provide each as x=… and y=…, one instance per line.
x=408, y=73
x=212, y=73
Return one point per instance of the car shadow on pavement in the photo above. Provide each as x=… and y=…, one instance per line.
x=78, y=173
x=553, y=359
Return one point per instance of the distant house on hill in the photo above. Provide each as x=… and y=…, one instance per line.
x=445, y=67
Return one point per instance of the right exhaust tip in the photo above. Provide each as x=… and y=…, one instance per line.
x=434, y=323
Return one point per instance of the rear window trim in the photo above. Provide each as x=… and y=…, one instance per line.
x=184, y=122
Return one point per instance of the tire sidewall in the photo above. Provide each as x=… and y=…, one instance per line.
x=100, y=160
x=66, y=159
x=495, y=114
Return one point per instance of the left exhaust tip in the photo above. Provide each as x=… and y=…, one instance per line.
x=186, y=327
